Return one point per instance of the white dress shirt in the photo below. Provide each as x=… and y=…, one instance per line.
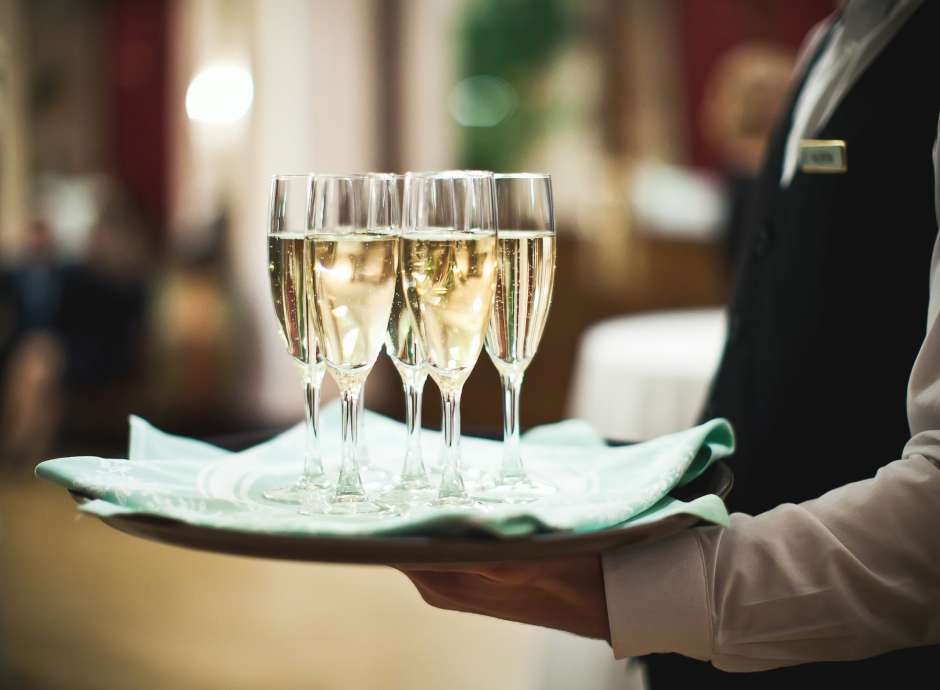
x=851, y=574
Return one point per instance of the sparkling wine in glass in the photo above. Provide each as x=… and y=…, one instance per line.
x=448, y=254
x=525, y=260
x=403, y=346
x=287, y=271
x=354, y=267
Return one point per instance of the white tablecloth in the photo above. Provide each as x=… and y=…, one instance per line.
x=638, y=377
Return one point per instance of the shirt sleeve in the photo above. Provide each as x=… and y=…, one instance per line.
x=851, y=574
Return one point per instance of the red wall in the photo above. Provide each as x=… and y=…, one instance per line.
x=139, y=65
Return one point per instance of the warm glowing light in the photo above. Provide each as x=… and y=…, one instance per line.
x=220, y=94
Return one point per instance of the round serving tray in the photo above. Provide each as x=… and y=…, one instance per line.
x=412, y=550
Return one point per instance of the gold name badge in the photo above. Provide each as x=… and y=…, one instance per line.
x=823, y=156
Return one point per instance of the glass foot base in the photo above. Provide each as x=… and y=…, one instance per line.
x=471, y=475
x=458, y=502
x=405, y=496
x=417, y=483
x=298, y=491
x=523, y=491
x=355, y=505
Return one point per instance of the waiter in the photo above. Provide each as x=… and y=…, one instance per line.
x=820, y=382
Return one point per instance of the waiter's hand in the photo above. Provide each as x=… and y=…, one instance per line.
x=564, y=594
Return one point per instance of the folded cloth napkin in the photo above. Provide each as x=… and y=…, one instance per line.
x=598, y=486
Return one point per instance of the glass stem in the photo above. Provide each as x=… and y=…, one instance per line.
x=412, y=472
x=349, y=484
x=313, y=464
x=363, y=447
x=451, y=482
x=512, y=470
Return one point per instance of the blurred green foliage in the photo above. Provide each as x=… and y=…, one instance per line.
x=513, y=41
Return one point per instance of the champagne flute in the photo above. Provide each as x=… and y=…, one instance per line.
x=354, y=266
x=403, y=346
x=287, y=270
x=448, y=253
x=524, y=279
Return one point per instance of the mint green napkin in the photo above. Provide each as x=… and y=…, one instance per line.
x=599, y=486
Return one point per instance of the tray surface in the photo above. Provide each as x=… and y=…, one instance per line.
x=186, y=492
x=401, y=550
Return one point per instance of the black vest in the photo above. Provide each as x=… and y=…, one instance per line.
x=829, y=311
x=830, y=307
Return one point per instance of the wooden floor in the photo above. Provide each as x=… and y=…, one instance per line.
x=83, y=606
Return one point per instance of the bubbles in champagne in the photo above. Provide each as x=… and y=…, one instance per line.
x=449, y=281
x=286, y=270
x=402, y=343
x=525, y=278
x=353, y=283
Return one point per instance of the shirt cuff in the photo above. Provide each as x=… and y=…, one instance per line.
x=657, y=598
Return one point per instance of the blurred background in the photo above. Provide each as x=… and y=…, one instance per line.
x=137, y=141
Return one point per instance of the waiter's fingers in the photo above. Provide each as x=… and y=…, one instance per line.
x=519, y=573
x=473, y=594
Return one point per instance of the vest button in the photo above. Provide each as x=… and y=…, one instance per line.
x=763, y=241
